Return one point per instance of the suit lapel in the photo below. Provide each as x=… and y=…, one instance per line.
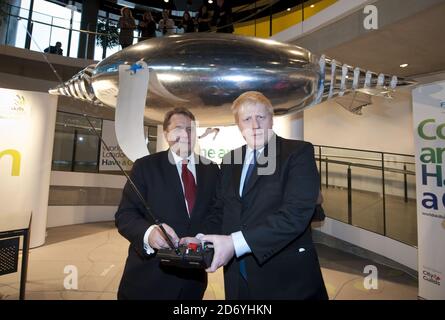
x=200, y=183
x=236, y=171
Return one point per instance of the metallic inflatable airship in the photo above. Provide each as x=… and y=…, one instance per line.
x=205, y=72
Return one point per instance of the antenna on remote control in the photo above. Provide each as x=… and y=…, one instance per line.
x=133, y=186
x=135, y=189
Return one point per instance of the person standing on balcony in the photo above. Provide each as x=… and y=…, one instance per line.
x=203, y=19
x=147, y=26
x=187, y=23
x=166, y=25
x=127, y=26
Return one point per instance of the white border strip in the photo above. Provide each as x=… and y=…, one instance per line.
x=81, y=179
x=69, y=215
x=392, y=249
x=326, y=16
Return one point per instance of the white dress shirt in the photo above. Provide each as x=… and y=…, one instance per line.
x=192, y=168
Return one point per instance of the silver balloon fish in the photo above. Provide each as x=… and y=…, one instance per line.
x=206, y=72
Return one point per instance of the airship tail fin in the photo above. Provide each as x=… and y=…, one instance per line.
x=341, y=80
x=354, y=102
x=79, y=86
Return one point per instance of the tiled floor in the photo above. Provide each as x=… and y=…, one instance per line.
x=98, y=254
x=345, y=278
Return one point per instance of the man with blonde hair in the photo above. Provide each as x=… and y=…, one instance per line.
x=260, y=222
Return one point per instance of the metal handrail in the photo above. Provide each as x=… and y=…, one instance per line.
x=365, y=150
x=368, y=166
x=368, y=159
x=250, y=17
x=56, y=26
x=43, y=14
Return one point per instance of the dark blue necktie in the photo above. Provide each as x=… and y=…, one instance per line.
x=242, y=269
x=252, y=165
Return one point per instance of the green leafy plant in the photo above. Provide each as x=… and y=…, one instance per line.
x=108, y=34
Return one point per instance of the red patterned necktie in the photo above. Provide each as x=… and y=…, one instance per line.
x=189, y=186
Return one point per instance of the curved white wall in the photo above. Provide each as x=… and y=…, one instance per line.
x=290, y=126
x=27, y=124
x=386, y=125
x=389, y=248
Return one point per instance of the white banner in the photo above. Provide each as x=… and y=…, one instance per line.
x=429, y=125
x=106, y=162
x=215, y=142
x=27, y=124
x=129, y=115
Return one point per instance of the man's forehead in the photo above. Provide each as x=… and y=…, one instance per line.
x=253, y=107
x=180, y=120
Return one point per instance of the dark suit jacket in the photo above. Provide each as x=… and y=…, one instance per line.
x=158, y=181
x=274, y=216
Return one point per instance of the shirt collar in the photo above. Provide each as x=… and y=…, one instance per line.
x=249, y=151
x=178, y=159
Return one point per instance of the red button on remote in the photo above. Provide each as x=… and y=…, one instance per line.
x=193, y=246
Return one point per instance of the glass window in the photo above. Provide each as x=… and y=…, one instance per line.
x=76, y=147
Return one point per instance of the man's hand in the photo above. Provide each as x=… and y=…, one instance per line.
x=157, y=240
x=224, y=250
